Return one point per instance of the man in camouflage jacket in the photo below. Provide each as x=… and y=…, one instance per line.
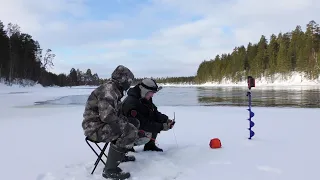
x=103, y=122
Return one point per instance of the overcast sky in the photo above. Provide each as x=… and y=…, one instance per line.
x=151, y=37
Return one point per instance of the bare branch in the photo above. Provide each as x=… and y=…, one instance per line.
x=47, y=59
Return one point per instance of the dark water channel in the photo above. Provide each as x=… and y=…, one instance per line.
x=300, y=96
x=304, y=97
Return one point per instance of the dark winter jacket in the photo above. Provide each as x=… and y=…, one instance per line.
x=151, y=120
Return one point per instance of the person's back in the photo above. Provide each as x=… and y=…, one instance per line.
x=96, y=110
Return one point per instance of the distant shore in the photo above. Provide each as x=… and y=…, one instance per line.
x=290, y=81
x=243, y=84
x=294, y=79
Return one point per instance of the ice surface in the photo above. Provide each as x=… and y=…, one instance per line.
x=42, y=142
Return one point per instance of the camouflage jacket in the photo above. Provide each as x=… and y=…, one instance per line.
x=103, y=106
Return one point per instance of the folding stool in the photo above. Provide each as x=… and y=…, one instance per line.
x=98, y=155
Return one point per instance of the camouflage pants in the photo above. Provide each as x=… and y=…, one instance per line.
x=123, y=134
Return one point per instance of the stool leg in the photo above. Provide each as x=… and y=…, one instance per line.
x=92, y=148
x=104, y=149
x=100, y=157
x=96, y=163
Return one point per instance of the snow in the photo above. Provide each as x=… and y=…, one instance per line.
x=292, y=79
x=46, y=142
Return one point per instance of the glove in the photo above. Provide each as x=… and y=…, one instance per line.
x=141, y=134
x=143, y=138
x=168, y=125
x=171, y=122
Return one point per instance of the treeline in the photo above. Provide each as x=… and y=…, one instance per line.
x=297, y=51
x=79, y=78
x=176, y=80
x=169, y=80
x=21, y=57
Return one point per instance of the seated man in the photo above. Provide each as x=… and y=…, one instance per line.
x=138, y=104
x=103, y=122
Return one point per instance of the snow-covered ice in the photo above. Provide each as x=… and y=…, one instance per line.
x=46, y=142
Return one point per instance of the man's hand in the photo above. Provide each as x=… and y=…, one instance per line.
x=168, y=125
x=141, y=134
x=172, y=122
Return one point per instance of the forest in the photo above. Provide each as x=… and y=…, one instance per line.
x=295, y=51
x=21, y=57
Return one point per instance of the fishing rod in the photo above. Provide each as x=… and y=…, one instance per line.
x=174, y=121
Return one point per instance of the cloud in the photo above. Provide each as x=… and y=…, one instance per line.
x=155, y=37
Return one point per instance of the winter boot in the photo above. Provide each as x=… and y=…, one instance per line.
x=111, y=170
x=128, y=158
x=132, y=150
x=151, y=146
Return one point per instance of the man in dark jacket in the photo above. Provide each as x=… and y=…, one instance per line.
x=138, y=104
x=103, y=121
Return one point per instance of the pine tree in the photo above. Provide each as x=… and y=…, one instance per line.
x=272, y=51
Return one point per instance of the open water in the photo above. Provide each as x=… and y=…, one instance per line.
x=299, y=96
